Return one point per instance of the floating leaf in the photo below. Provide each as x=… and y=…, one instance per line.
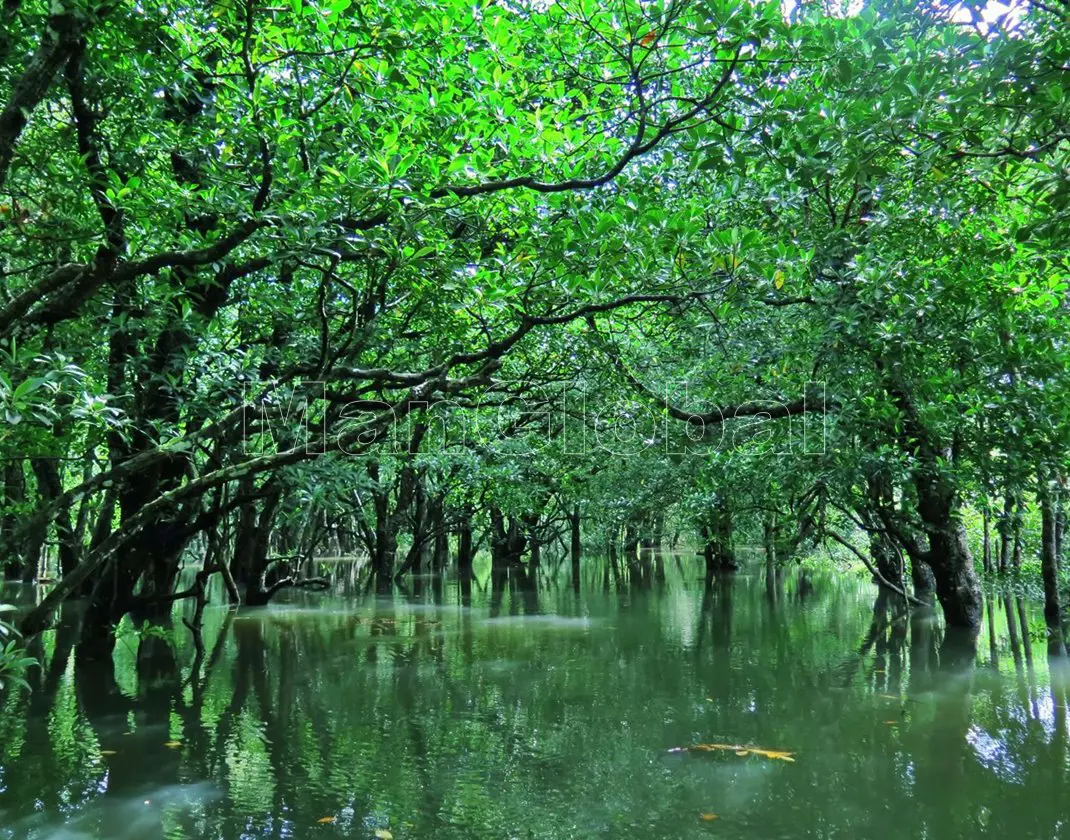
x=891, y=723
x=383, y=834
x=738, y=749
x=711, y=747
x=326, y=820
x=779, y=755
x=173, y=745
x=109, y=752
x=708, y=817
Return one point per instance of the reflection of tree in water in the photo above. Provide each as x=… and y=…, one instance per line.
x=522, y=587
x=470, y=730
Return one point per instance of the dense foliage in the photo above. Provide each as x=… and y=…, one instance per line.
x=285, y=281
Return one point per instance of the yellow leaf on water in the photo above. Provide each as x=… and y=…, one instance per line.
x=383, y=834
x=709, y=700
x=108, y=752
x=738, y=749
x=891, y=723
x=779, y=755
x=173, y=745
x=326, y=820
x=708, y=817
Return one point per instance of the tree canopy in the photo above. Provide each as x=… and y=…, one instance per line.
x=280, y=277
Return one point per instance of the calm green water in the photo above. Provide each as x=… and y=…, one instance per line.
x=548, y=713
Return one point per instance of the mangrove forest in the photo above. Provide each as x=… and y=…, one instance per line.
x=536, y=419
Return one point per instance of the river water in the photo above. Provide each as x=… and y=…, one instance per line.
x=501, y=710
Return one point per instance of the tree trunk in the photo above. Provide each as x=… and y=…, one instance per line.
x=531, y=528
x=254, y=543
x=708, y=552
x=1060, y=527
x=386, y=541
x=241, y=567
x=922, y=579
x=464, y=545
x=986, y=547
x=956, y=583
x=440, y=557
x=414, y=561
x=1049, y=555
x=574, y=541
x=771, y=588
x=50, y=487
x=769, y=538
x=1006, y=532
x=31, y=563
x=886, y=559
x=386, y=549
x=718, y=535
x=1016, y=557
x=506, y=540
x=957, y=587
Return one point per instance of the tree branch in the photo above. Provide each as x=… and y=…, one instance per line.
x=59, y=39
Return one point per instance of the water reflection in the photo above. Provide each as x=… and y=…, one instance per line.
x=513, y=705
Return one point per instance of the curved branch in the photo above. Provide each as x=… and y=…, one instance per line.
x=317, y=583
x=638, y=147
x=873, y=570
x=772, y=409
